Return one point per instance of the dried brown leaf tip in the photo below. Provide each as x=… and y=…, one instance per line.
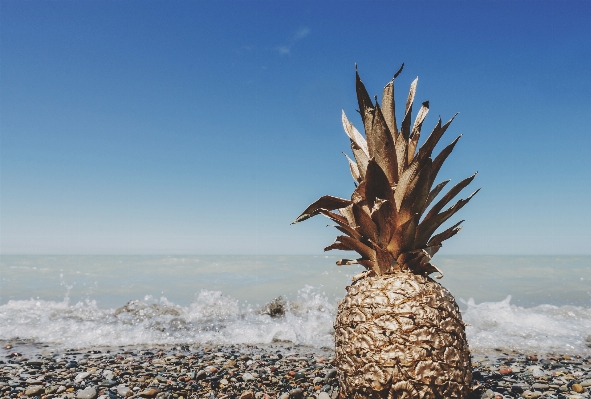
x=394, y=212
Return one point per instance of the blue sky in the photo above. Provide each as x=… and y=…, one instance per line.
x=207, y=127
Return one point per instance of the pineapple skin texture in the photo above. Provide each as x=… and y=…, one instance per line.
x=401, y=336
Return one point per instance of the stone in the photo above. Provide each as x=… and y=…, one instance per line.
x=50, y=389
x=247, y=377
x=586, y=383
x=531, y=395
x=332, y=373
x=80, y=377
x=108, y=383
x=247, y=395
x=299, y=376
x=200, y=375
x=578, y=388
x=123, y=390
x=149, y=393
x=539, y=386
x=35, y=390
x=296, y=394
x=323, y=395
x=108, y=375
x=86, y=393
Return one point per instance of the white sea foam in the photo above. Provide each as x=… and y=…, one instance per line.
x=541, y=329
x=211, y=318
x=217, y=318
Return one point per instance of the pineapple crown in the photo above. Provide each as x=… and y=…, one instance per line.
x=386, y=220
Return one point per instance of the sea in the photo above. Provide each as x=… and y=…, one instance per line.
x=525, y=304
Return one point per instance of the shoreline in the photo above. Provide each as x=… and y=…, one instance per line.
x=279, y=370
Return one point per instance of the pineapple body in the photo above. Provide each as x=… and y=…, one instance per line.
x=401, y=336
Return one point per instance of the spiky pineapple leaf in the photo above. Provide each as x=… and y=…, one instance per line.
x=354, y=134
x=354, y=169
x=366, y=106
x=327, y=202
x=381, y=145
x=433, y=193
x=389, y=108
x=405, y=126
x=361, y=158
x=356, y=245
x=376, y=184
x=428, y=226
x=437, y=239
x=384, y=216
x=401, y=235
x=441, y=157
x=337, y=245
x=347, y=212
x=351, y=232
x=416, y=130
x=401, y=146
x=455, y=190
x=405, y=183
x=365, y=225
x=427, y=148
x=358, y=195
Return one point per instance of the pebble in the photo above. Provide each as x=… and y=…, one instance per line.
x=86, y=393
x=149, y=393
x=279, y=371
x=123, y=391
x=35, y=390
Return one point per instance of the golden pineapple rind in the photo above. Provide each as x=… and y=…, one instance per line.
x=401, y=336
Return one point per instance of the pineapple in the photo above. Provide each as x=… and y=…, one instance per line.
x=398, y=333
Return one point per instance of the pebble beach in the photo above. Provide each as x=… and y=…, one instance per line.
x=281, y=371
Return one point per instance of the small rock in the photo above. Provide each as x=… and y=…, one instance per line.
x=35, y=390
x=86, y=393
x=34, y=363
x=122, y=390
x=504, y=370
x=149, y=393
x=539, y=386
x=331, y=373
x=108, y=383
x=247, y=395
x=299, y=376
x=247, y=377
x=296, y=394
x=323, y=395
x=50, y=389
x=80, y=377
x=531, y=395
x=108, y=375
x=586, y=383
x=200, y=375
x=578, y=388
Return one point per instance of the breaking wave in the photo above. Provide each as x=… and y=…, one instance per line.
x=215, y=318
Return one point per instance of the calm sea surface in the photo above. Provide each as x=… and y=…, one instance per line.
x=528, y=303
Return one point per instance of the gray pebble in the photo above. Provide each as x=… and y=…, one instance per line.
x=86, y=393
x=35, y=390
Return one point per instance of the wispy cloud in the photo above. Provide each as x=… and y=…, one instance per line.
x=300, y=34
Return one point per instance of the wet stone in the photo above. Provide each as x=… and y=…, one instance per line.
x=86, y=393
x=35, y=390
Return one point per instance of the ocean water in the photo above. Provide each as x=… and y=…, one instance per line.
x=528, y=304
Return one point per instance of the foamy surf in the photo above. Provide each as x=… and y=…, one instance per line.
x=215, y=318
